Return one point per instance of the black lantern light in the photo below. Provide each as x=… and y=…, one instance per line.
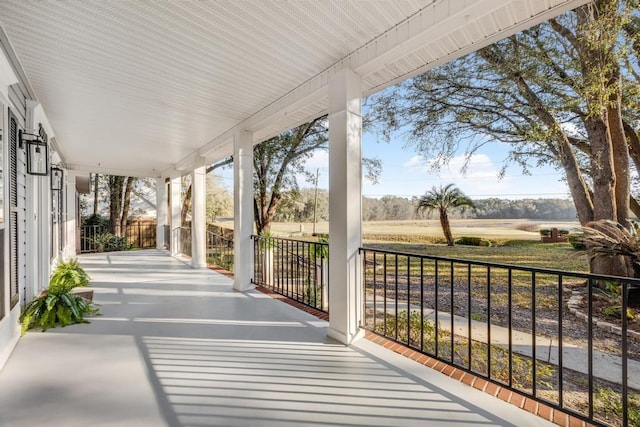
x=37, y=151
x=56, y=178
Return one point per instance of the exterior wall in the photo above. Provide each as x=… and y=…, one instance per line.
x=9, y=330
x=35, y=247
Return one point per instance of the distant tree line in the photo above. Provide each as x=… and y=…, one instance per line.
x=297, y=206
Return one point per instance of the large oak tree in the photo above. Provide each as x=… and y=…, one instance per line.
x=564, y=93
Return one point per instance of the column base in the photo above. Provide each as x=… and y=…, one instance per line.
x=344, y=338
x=242, y=287
x=198, y=265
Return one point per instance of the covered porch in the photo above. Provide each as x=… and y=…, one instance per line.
x=179, y=346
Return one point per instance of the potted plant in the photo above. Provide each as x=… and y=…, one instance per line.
x=58, y=304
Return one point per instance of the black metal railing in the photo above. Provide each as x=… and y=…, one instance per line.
x=185, y=240
x=296, y=269
x=167, y=236
x=98, y=238
x=512, y=326
x=219, y=250
x=141, y=234
x=89, y=237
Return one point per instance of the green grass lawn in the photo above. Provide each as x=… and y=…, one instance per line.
x=513, y=242
x=527, y=253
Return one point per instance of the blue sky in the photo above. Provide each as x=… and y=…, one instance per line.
x=407, y=174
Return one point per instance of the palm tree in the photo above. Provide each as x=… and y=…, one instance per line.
x=444, y=199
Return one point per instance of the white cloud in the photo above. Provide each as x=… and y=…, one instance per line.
x=477, y=165
x=480, y=176
x=319, y=159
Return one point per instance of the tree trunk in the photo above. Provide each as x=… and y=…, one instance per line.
x=602, y=169
x=96, y=179
x=635, y=206
x=577, y=186
x=186, y=205
x=125, y=205
x=115, y=203
x=620, y=152
x=446, y=227
x=633, y=139
x=256, y=217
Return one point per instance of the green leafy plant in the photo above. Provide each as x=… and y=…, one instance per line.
x=50, y=309
x=67, y=275
x=57, y=305
x=312, y=294
x=108, y=242
x=608, y=404
x=266, y=240
x=616, y=312
x=320, y=250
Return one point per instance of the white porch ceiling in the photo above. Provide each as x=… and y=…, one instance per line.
x=147, y=87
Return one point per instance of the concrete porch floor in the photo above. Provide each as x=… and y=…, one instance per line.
x=177, y=346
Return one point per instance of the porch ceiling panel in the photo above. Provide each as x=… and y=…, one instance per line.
x=146, y=87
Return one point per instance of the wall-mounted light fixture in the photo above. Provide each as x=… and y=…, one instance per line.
x=56, y=178
x=37, y=151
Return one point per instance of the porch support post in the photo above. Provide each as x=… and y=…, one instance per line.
x=242, y=210
x=37, y=222
x=345, y=214
x=161, y=212
x=70, y=213
x=176, y=220
x=198, y=218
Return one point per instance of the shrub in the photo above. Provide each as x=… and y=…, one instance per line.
x=472, y=241
x=96, y=220
x=545, y=232
x=107, y=242
x=575, y=240
x=563, y=232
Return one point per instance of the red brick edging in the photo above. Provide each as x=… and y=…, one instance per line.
x=221, y=270
x=542, y=410
x=313, y=311
x=537, y=408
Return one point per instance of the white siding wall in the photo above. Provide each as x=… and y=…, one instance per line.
x=33, y=210
x=9, y=330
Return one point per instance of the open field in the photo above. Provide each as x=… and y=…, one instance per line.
x=512, y=245
x=487, y=228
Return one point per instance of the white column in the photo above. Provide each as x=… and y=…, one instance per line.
x=37, y=221
x=198, y=217
x=176, y=220
x=161, y=212
x=345, y=215
x=71, y=209
x=242, y=210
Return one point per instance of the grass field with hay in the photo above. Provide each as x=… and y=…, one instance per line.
x=514, y=241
